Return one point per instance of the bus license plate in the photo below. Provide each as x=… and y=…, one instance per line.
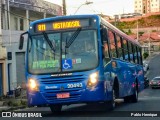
x=63, y=95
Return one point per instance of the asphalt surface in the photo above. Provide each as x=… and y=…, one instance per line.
x=148, y=104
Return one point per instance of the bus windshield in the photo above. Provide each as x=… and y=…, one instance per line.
x=71, y=52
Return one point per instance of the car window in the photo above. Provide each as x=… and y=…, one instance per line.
x=156, y=78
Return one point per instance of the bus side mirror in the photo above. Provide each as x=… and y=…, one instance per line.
x=104, y=34
x=21, y=42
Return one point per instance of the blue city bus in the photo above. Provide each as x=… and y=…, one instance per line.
x=80, y=59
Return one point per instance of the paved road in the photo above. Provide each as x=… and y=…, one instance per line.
x=154, y=67
x=148, y=102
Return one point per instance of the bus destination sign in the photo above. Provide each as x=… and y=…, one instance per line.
x=66, y=24
x=61, y=25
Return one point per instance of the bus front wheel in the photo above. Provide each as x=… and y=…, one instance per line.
x=55, y=108
x=112, y=103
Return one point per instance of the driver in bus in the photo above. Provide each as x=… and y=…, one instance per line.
x=90, y=47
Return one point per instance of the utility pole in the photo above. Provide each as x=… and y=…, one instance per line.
x=2, y=49
x=0, y=24
x=149, y=43
x=64, y=7
x=9, y=21
x=137, y=31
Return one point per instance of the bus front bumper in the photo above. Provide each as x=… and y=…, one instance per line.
x=87, y=95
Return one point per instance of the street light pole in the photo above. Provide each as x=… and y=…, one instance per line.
x=86, y=3
x=149, y=43
x=137, y=31
x=64, y=7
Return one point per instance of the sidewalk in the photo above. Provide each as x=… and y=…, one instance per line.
x=3, y=107
x=12, y=104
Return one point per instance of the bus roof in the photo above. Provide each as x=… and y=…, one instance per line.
x=109, y=25
x=63, y=17
x=125, y=36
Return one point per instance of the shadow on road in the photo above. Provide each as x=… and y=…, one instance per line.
x=93, y=110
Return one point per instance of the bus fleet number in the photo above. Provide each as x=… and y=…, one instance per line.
x=75, y=85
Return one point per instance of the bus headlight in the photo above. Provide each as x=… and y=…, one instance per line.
x=93, y=79
x=33, y=85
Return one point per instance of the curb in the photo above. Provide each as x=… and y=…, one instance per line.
x=12, y=108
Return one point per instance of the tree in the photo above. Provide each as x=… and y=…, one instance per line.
x=145, y=55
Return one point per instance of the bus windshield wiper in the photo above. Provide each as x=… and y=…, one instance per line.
x=48, y=41
x=72, y=38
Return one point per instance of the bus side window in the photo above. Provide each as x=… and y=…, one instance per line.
x=105, y=53
x=139, y=55
x=105, y=47
x=130, y=51
x=112, y=44
x=119, y=47
x=134, y=53
x=125, y=48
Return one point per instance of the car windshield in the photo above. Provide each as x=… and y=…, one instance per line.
x=71, y=53
x=156, y=78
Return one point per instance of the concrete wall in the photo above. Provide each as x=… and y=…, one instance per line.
x=28, y=10
x=4, y=79
x=13, y=75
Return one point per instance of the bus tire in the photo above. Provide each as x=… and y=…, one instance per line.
x=134, y=97
x=55, y=108
x=111, y=103
x=127, y=99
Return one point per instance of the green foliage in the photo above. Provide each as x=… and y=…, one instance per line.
x=154, y=17
x=24, y=103
x=129, y=32
x=17, y=103
x=150, y=21
x=145, y=55
x=141, y=21
x=154, y=30
x=140, y=33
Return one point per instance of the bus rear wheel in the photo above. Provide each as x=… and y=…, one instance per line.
x=55, y=108
x=134, y=97
x=127, y=99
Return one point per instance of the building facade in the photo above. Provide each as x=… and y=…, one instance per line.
x=146, y=6
x=15, y=17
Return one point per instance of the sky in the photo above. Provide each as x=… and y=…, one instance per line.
x=107, y=7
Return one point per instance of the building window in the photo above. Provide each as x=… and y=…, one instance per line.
x=15, y=23
x=21, y=24
x=9, y=55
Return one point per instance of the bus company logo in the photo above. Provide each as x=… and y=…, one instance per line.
x=51, y=87
x=65, y=74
